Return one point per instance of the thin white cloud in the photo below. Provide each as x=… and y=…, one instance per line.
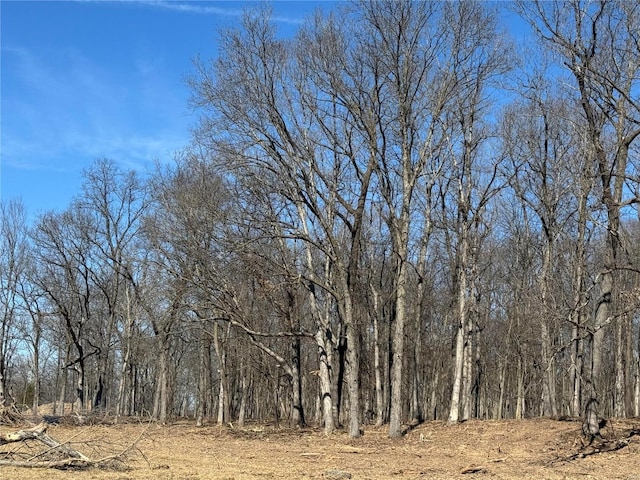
x=207, y=9
x=64, y=105
x=192, y=8
x=211, y=10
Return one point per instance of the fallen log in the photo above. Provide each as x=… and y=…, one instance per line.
x=22, y=435
x=39, y=432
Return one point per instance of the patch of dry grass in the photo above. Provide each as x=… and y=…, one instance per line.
x=529, y=449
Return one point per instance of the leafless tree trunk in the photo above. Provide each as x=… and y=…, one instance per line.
x=579, y=295
x=161, y=395
x=598, y=42
x=12, y=270
x=636, y=399
x=220, y=347
x=461, y=325
x=325, y=346
x=619, y=395
x=122, y=401
x=204, y=372
x=379, y=401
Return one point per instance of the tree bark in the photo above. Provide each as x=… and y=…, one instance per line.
x=520, y=405
x=161, y=396
x=579, y=297
x=298, y=417
x=204, y=373
x=244, y=393
x=36, y=368
x=353, y=366
x=124, y=384
x=397, y=343
x=461, y=265
x=379, y=396
x=223, y=388
x=636, y=399
x=620, y=407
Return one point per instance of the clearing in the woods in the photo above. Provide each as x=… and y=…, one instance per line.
x=509, y=449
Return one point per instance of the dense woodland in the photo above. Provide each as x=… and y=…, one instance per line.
x=397, y=214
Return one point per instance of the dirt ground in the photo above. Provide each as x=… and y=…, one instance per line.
x=528, y=449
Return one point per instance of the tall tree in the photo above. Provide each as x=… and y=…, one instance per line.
x=115, y=200
x=406, y=42
x=597, y=42
x=539, y=141
x=476, y=60
x=64, y=274
x=183, y=238
x=13, y=263
x=293, y=121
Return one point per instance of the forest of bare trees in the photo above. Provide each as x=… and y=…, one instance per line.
x=398, y=214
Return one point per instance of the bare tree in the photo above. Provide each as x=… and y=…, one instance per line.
x=540, y=143
x=292, y=128
x=84, y=261
x=598, y=44
x=182, y=237
x=404, y=41
x=475, y=62
x=13, y=251
x=33, y=330
x=64, y=275
x=115, y=199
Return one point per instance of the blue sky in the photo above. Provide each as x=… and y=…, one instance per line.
x=82, y=80
x=89, y=79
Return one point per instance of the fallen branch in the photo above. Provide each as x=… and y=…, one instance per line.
x=61, y=464
x=58, y=455
x=60, y=447
x=604, y=447
x=473, y=469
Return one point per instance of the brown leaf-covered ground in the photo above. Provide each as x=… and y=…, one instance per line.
x=528, y=449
